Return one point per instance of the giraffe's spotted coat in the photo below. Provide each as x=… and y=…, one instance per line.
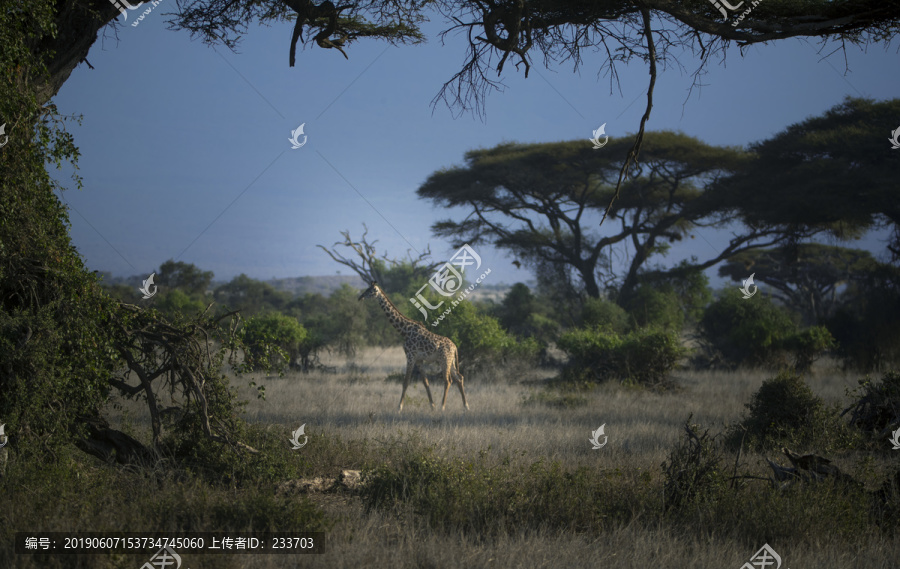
x=422, y=347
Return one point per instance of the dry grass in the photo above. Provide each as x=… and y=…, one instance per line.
x=357, y=407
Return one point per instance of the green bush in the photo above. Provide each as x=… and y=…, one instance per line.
x=807, y=345
x=746, y=331
x=603, y=313
x=175, y=301
x=866, y=325
x=876, y=405
x=644, y=356
x=648, y=306
x=275, y=338
x=480, y=338
x=785, y=411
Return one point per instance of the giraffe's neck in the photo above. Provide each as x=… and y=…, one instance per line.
x=402, y=324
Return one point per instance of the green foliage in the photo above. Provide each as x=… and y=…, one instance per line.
x=523, y=315
x=480, y=338
x=603, y=313
x=827, y=171
x=866, y=325
x=643, y=356
x=543, y=199
x=171, y=302
x=807, y=345
x=746, y=331
x=185, y=277
x=688, y=284
x=876, y=405
x=785, y=411
x=250, y=296
x=55, y=357
x=649, y=306
x=274, y=338
x=805, y=275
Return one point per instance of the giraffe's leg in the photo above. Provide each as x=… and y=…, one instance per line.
x=427, y=389
x=410, y=366
x=446, y=385
x=462, y=390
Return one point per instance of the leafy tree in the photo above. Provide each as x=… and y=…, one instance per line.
x=835, y=171
x=865, y=326
x=687, y=283
x=649, y=306
x=805, y=277
x=250, y=296
x=55, y=357
x=171, y=302
x=542, y=202
x=605, y=314
x=262, y=333
x=746, y=331
x=183, y=276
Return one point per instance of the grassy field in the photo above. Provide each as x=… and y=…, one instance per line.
x=512, y=483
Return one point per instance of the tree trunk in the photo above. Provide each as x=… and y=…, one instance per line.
x=77, y=24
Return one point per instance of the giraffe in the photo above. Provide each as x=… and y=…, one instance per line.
x=422, y=346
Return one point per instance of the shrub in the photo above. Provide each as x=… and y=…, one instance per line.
x=175, y=301
x=648, y=306
x=603, y=313
x=693, y=471
x=480, y=338
x=808, y=345
x=273, y=337
x=643, y=356
x=785, y=411
x=876, y=406
x=746, y=331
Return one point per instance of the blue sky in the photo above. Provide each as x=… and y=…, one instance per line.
x=185, y=151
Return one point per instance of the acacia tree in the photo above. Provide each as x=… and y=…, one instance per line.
x=836, y=171
x=541, y=203
x=806, y=277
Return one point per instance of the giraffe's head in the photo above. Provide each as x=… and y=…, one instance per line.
x=370, y=292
